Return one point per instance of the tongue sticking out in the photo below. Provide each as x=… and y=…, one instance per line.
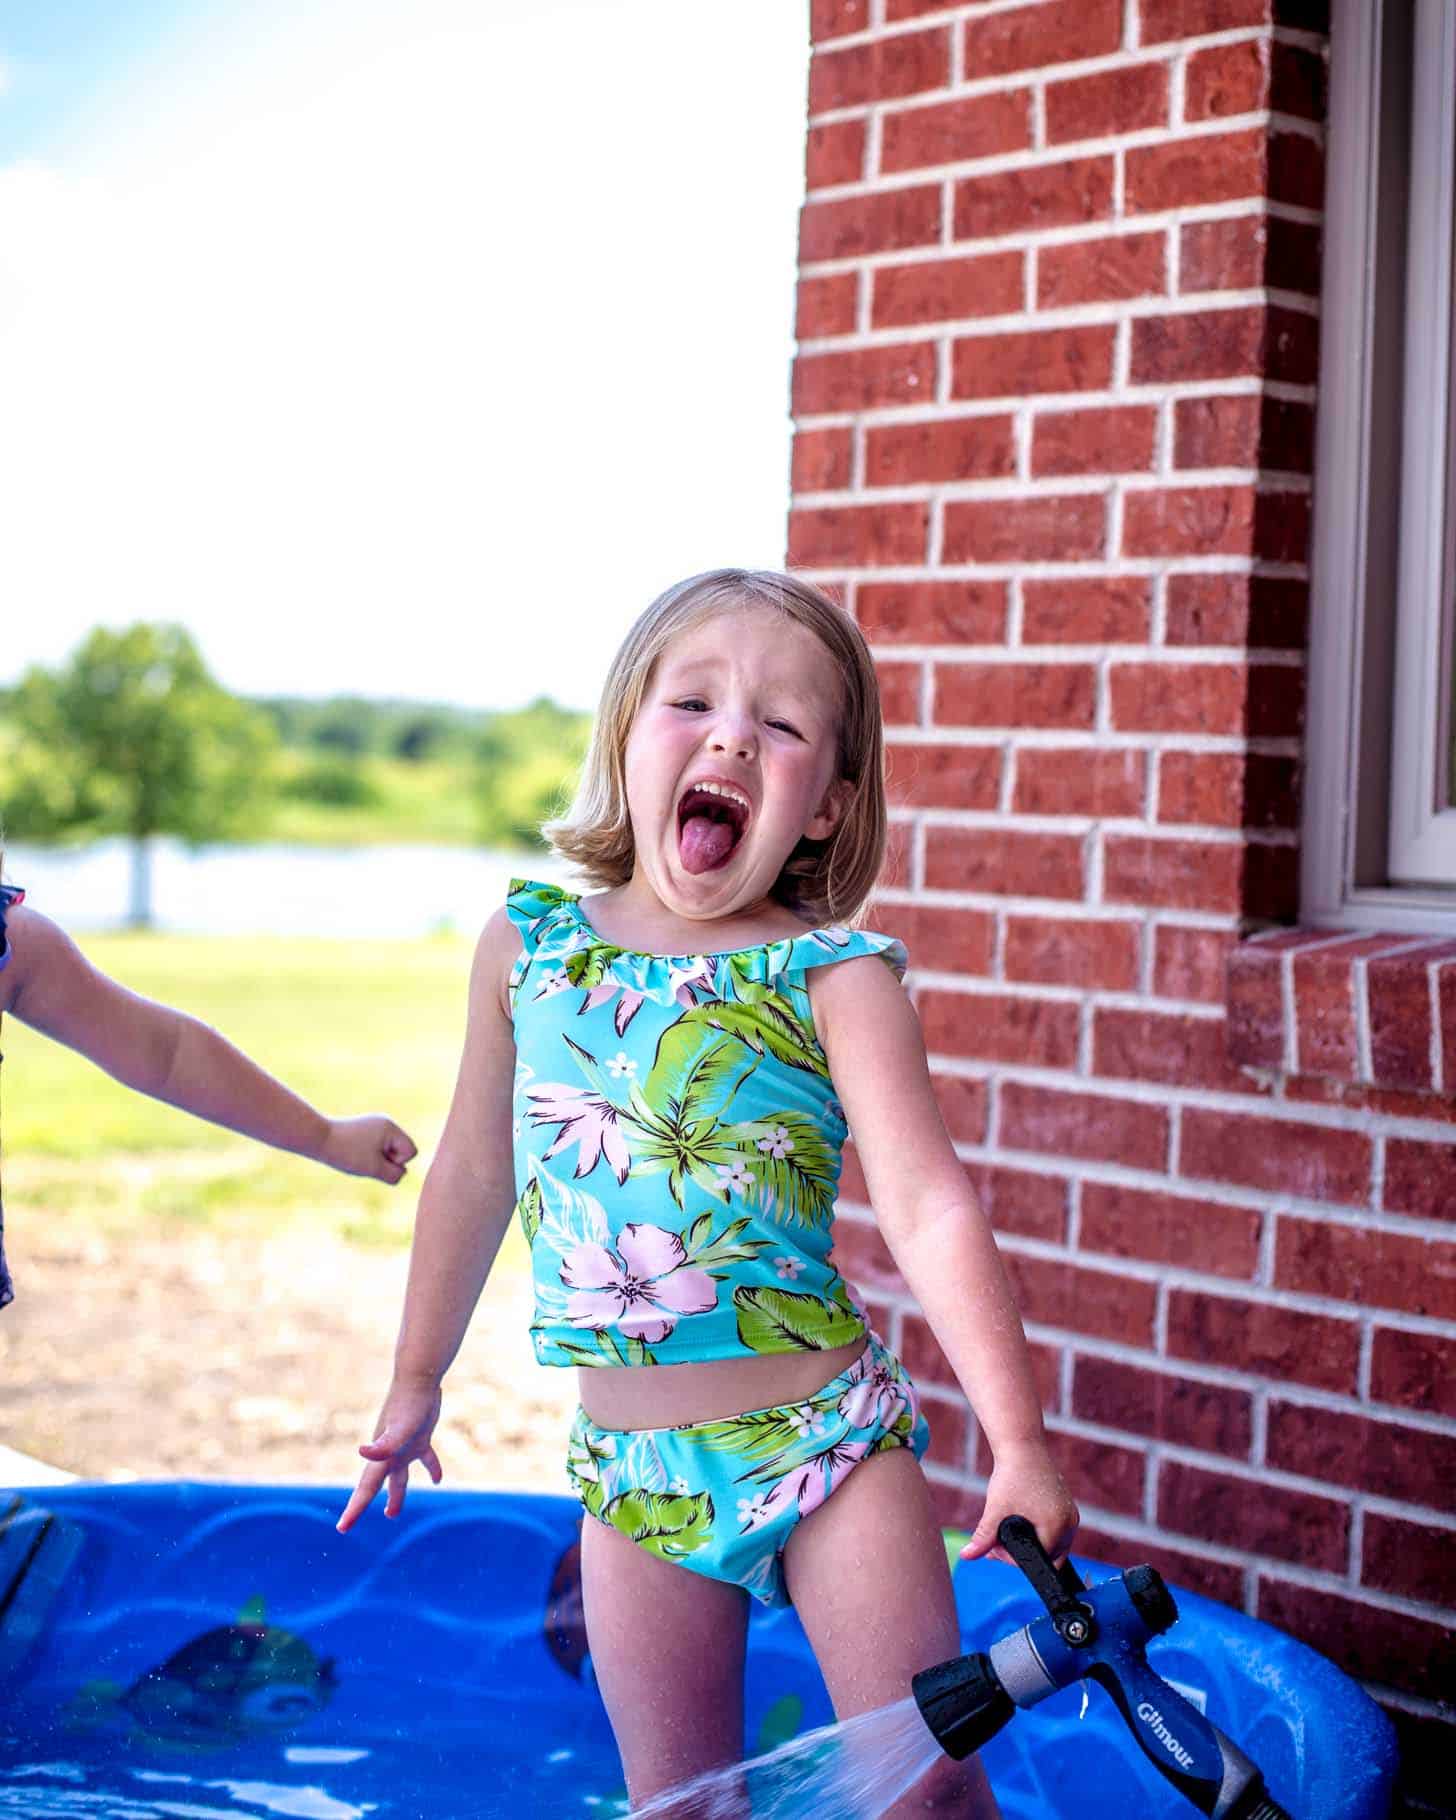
x=706, y=843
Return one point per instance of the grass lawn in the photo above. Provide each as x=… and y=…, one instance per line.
x=352, y=1026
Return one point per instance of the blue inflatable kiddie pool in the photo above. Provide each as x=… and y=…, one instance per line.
x=203, y=1651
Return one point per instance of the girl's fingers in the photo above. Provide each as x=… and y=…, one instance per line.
x=387, y=1443
x=432, y=1465
x=363, y=1496
x=398, y=1484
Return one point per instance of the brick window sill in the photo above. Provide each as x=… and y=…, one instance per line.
x=1346, y=1011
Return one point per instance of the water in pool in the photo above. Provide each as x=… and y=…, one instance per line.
x=207, y=1652
x=217, y=1746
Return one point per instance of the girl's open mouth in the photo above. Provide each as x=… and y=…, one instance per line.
x=711, y=819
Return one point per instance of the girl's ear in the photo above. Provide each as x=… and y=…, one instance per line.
x=831, y=810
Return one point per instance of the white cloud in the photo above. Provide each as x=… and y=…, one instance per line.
x=409, y=362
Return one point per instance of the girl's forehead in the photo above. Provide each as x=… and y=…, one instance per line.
x=753, y=638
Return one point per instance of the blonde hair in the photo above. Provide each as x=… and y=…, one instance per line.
x=822, y=881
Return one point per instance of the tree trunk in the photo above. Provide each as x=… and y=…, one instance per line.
x=140, y=914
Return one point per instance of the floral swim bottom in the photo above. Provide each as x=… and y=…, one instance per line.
x=723, y=1497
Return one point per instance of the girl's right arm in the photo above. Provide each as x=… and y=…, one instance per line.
x=465, y=1207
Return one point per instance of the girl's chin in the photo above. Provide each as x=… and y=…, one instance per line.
x=719, y=891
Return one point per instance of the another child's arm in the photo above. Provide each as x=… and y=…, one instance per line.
x=940, y=1239
x=50, y=985
x=465, y=1207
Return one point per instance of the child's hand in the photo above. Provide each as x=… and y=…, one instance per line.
x=402, y=1435
x=372, y=1145
x=1026, y=1483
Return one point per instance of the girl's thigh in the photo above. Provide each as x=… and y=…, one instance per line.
x=868, y=1575
x=667, y=1648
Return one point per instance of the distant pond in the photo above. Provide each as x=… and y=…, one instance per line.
x=276, y=890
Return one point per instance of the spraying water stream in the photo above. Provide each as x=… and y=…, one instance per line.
x=852, y=1771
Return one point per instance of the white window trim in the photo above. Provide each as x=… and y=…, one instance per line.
x=1422, y=824
x=1345, y=553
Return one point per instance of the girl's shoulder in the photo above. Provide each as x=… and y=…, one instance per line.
x=862, y=1000
x=818, y=948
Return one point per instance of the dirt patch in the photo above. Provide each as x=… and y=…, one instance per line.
x=164, y=1351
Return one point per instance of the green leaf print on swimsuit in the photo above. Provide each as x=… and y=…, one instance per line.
x=664, y=1523
x=782, y=1320
x=722, y=1497
x=677, y=1143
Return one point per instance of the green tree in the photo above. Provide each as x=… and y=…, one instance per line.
x=526, y=765
x=146, y=743
x=419, y=737
x=42, y=793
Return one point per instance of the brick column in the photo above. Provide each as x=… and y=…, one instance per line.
x=1054, y=400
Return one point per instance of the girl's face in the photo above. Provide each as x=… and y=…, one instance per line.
x=732, y=760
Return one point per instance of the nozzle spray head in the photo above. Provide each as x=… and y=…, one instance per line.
x=963, y=1703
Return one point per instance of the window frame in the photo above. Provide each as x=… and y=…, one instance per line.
x=1375, y=724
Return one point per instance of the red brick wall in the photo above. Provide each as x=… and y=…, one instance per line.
x=1054, y=401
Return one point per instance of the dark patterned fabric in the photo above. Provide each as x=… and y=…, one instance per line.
x=9, y=894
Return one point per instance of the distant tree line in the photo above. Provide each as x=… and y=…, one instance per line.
x=518, y=764
x=356, y=724
x=133, y=736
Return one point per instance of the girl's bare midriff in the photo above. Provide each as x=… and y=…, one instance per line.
x=665, y=1396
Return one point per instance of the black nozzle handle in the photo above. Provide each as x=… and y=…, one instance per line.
x=1058, y=1588
x=963, y=1703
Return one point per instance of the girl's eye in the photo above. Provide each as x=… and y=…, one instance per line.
x=693, y=703
x=783, y=726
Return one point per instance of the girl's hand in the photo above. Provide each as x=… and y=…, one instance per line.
x=1025, y=1483
x=403, y=1435
x=372, y=1145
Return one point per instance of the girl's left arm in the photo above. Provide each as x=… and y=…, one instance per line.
x=177, y=1058
x=940, y=1239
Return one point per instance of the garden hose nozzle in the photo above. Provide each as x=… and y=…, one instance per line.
x=1100, y=1634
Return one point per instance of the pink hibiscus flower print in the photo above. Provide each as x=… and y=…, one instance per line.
x=643, y=1288
x=875, y=1394
x=807, y=1486
x=587, y=1120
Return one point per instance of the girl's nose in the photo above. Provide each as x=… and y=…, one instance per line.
x=735, y=734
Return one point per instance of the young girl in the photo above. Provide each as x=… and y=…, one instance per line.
x=660, y=1078
x=49, y=984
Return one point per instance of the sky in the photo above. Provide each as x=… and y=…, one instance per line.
x=394, y=347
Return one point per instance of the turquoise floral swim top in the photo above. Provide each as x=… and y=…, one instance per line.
x=677, y=1143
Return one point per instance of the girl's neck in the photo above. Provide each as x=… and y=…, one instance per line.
x=631, y=916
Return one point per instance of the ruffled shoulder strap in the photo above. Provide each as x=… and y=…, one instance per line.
x=534, y=907
x=9, y=894
x=536, y=910
x=823, y=947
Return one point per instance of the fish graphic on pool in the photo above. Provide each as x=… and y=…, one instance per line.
x=230, y=1683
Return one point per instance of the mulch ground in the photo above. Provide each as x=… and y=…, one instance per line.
x=167, y=1351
